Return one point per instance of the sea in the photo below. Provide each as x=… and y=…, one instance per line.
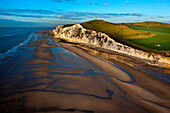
x=13, y=37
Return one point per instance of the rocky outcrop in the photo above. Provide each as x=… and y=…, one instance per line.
x=78, y=34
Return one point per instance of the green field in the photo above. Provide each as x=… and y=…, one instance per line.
x=115, y=31
x=146, y=36
x=147, y=24
x=162, y=38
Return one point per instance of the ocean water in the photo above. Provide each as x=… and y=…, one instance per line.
x=12, y=37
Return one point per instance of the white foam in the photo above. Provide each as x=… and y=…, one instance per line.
x=15, y=48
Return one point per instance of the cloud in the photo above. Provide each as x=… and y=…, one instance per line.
x=69, y=0
x=56, y=0
x=106, y=4
x=35, y=11
x=166, y=22
x=18, y=23
x=60, y=14
x=162, y=16
x=96, y=3
x=124, y=14
x=9, y=22
x=137, y=20
x=128, y=1
x=84, y=15
x=62, y=0
x=162, y=0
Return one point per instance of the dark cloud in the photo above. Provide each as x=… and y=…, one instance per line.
x=96, y=3
x=69, y=0
x=8, y=22
x=166, y=22
x=162, y=0
x=36, y=11
x=83, y=15
x=56, y=0
x=60, y=14
x=162, y=16
x=63, y=0
x=24, y=15
x=124, y=14
x=137, y=20
x=18, y=23
x=106, y=4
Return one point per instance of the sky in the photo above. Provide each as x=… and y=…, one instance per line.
x=50, y=13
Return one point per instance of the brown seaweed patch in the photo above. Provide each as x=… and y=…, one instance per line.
x=5, y=58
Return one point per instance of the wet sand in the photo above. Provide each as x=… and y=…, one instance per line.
x=144, y=90
x=44, y=76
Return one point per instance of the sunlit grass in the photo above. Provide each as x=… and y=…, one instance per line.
x=161, y=38
x=147, y=36
x=116, y=31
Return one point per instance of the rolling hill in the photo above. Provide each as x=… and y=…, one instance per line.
x=147, y=36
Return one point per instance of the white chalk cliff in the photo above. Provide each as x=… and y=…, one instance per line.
x=78, y=34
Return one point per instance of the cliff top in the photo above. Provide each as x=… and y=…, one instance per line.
x=147, y=36
x=147, y=24
x=116, y=31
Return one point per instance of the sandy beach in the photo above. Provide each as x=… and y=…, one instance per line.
x=47, y=75
x=142, y=90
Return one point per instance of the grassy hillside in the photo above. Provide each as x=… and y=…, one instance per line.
x=147, y=24
x=161, y=41
x=147, y=36
x=115, y=31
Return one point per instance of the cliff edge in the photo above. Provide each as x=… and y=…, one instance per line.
x=78, y=34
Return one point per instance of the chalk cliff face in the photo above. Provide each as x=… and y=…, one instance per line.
x=78, y=34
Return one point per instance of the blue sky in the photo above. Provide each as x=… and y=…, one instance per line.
x=50, y=13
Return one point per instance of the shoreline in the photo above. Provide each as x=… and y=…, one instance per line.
x=50, y=73
x=145, y=92
x=78, y=34
x=47, y=75
x=131, y=61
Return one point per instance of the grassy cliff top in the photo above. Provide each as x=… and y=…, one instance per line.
x=147, y=24
x=147, y=36
x=116, y=31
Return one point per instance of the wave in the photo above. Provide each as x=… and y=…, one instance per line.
x=12, y=33
x=15, y=48
x=9, y=32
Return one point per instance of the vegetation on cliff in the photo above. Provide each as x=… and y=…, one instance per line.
x=116, y=31
x=147, y=36
x=161, y=41
x=147, y=24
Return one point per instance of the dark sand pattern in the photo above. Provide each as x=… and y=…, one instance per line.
x=42, y=76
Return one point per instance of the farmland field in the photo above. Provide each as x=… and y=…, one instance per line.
x=146, y=36
x=161, y=41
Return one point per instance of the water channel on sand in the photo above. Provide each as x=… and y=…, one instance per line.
x=43, y=76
